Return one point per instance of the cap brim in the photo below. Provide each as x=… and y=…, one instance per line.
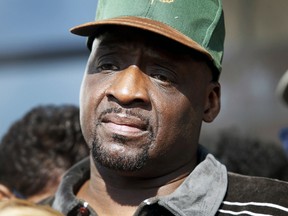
x=282, y=88
x=91, y=28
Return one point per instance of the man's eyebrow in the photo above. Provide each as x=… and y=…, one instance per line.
x=111, y=45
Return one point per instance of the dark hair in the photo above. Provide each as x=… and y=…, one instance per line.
x=250, y=156
x=38, y=148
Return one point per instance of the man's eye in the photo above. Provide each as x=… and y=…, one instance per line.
x=162, y=78
x=105, y=67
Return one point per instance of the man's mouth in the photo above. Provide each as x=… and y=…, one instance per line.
x=123, y=124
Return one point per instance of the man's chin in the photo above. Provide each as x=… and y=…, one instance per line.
x=117, y=157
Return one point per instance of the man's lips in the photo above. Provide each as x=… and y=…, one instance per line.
x=124, y=125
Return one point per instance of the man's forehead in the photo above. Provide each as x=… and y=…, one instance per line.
x=127, y=37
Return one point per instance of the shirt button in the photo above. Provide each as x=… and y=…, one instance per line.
x=84, y=211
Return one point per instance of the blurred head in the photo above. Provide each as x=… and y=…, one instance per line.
x=17, y=207
x=38, y=148
x=282, y=88
x=250, y=156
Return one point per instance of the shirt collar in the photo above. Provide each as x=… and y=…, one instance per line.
x=200, y=194
x=65, y=199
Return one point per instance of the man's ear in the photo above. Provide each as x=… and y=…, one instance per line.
x=212, y=103
x=5, y=193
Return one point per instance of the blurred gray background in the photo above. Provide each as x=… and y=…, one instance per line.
x=42, y=63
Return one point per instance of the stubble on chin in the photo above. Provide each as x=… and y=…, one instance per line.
x=129, y=160
x=119, y=161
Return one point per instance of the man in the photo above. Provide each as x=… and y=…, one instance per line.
x=36, y=151
x=150, y=81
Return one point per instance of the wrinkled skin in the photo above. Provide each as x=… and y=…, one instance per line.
x=142, y=103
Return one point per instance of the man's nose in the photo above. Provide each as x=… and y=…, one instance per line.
x=129, y=87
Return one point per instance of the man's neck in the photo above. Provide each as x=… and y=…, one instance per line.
x=110, y=193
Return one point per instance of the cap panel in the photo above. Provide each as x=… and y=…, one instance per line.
x=107, y=9
x=194, y=18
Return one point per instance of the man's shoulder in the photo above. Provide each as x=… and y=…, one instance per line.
x=260, y=188
x=255, y=194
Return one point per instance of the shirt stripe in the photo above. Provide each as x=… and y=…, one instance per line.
x=271, y=205
x=242, y=212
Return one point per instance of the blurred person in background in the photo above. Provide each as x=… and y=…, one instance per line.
x=19, y=207
x=250, y=156
x=283, y=135
x=282, y=93
x=37, y=149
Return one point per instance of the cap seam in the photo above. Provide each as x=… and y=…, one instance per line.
x=208, y=34
x=148, y=10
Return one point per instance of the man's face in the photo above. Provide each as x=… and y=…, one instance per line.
x=142, y=102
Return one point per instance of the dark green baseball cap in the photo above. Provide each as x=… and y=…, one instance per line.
x=198, y=24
